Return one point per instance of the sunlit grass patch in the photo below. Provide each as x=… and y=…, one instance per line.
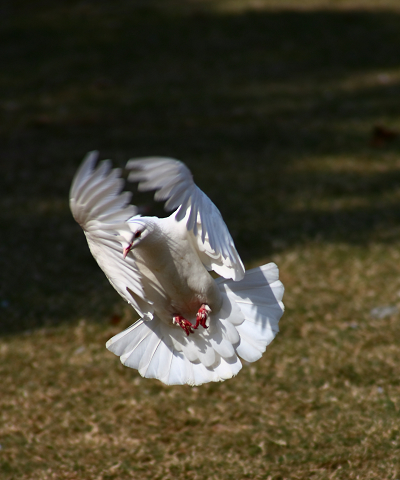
x=305, y=407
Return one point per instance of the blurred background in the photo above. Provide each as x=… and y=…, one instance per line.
x=288, y=114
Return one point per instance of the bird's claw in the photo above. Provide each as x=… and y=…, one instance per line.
x=202, y=316
x=201, y=319
x=183, y=323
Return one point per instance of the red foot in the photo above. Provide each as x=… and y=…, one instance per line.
x=201, y=319
x=202, y=316
x=183, y=323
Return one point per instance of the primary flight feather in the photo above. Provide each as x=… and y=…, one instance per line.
x=193, y=328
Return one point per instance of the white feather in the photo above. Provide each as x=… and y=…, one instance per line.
x=228, y=368
x=160, y=364
x=174, y=182
x=177, y=370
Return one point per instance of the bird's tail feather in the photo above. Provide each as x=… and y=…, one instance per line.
x=245, y=325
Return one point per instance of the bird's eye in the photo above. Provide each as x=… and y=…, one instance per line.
x=138, y=233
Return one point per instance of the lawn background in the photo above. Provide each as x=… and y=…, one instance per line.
x=272, y=105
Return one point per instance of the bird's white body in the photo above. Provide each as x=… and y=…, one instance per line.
x=161, y=267
x=173, y=277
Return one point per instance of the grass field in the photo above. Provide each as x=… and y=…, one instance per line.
x=272, y=104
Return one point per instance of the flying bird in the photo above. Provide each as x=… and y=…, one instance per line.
x=192, y=328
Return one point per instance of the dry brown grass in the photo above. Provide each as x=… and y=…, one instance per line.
x=322, y=403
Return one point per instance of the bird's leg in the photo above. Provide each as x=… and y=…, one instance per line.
x=202, y=316
x=183, y=323
x=201, y=319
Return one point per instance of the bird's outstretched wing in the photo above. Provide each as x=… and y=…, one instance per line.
x=174, y=184
x=100, y=208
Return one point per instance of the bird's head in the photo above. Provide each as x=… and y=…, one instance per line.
x=140, y=229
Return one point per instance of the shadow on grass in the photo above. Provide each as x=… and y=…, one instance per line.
x=245, y=100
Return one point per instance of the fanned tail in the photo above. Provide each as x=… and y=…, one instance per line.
x=259, y=297
x=246, y=324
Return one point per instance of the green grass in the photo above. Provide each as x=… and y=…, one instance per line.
x=278, y=100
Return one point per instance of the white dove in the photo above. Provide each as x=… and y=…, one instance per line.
x=192, y=327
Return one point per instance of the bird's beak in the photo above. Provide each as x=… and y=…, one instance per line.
x=128, y=249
